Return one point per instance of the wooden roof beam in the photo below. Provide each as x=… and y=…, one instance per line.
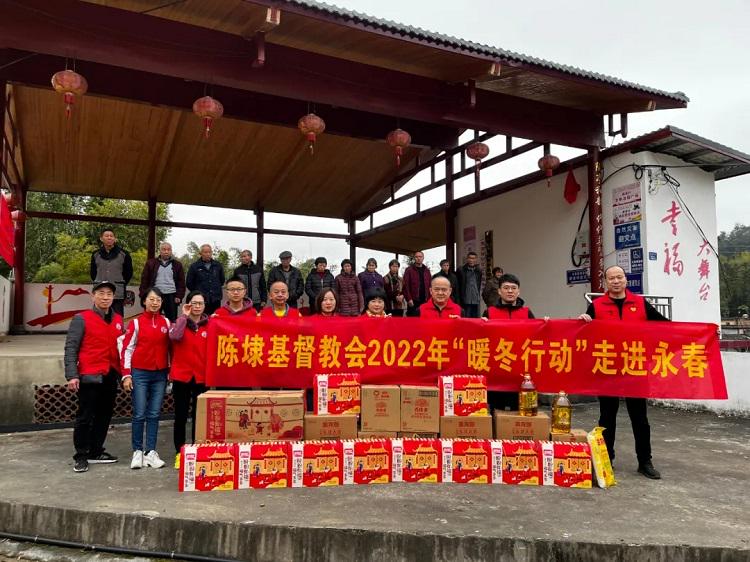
x=141, y=42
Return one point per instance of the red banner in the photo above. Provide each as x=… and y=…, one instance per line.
x=6, y=233
x=639, y=359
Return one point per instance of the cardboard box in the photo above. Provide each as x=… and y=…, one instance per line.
x=472, y=461
x=522, y=462
x=420, y=409
x=264, y=465
x=473, y=427
x=511, y=425
x=381, y=408
x=372, y=461
x=250, y=415
x=575, y=436
x=418, y=435
x=322, y=463
x=567, y=465
x=463, y=395
x=336, y=394
x=207, y=467
x=330, y=426
x=420, y=459
x=376, y=434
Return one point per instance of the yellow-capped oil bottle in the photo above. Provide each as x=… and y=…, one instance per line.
x=528, y=403
x=562, y=412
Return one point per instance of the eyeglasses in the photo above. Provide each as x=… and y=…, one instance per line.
x=509, y=288
x=197, y=303
x=235, y=289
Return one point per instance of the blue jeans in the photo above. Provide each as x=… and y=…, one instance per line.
x=147, y=396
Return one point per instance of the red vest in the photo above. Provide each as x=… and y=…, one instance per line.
x=633, y=309
x=507, y=313
x=267, y=312
x=429, y=310
x=98, y=352
x=189, y=356
x=145, y=345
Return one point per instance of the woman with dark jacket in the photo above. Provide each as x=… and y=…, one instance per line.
x=370, y=279
x=349, y=289
x=189, y=337
x=393, y=284
x=318, y=279
x=144, y=355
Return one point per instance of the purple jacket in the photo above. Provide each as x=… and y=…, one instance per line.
x=351, y=301
x=370, y=282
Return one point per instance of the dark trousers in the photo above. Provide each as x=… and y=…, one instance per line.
x=168, y=306
x=414, y=310
x=118, y=306
x=185, y=396
x=608, y=406
x=96, y=401
x=471, y=310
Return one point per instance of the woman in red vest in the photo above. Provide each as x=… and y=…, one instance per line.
x=144, y=353
x=189, y=337
x=327, y=303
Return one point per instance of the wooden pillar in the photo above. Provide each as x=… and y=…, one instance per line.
x=352, y=244
x=450, y=214
x=595, y=220
x=151, y=248
x=259, y=223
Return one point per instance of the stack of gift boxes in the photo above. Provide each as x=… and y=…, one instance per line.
x=375, y=434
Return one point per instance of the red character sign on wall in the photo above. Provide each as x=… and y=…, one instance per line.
x=672, y=213
x=673, y=261
x=703, y=270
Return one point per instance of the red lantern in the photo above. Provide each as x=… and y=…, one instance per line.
x=70, y=84
x=311, y=126
x=398, y=139
x=477, y=151
x=548, y=164
x=208, y=109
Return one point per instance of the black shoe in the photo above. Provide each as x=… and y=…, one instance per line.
x=103, y=458
x=82, y=465
x=648, y=470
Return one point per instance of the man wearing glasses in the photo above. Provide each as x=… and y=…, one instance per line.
x=237, y=303
x=509, y=306
x=440, y=304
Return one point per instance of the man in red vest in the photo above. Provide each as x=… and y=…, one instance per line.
x=620, y=304
x=440, y=305
x=92, y=368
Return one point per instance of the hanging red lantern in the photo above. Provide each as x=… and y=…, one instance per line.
x=208, y=109
x=70, y=84
x=548, y=164
x=398, y=139
x=477, y=151
x=311, y=126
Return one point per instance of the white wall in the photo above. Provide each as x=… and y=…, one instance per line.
x=533, y=230
x=698, y=193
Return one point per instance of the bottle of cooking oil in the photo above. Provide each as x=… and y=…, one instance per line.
x=561, y=413
x=528, y=404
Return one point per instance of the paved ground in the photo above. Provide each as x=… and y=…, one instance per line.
x=699, y=511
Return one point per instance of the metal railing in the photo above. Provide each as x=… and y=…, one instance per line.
x=662, y=304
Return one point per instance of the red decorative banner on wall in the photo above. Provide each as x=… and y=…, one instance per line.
x=639, y=359
x=7, y=251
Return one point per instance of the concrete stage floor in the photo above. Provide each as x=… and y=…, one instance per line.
x=699, y=511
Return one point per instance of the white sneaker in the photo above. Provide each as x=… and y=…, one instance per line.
x=152, y=459
x=137, y=461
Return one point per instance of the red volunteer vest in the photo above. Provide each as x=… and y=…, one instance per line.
x=633, y=309
x=189, y=356
x=98, y=352
x=505, y=313
x=428, y=310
